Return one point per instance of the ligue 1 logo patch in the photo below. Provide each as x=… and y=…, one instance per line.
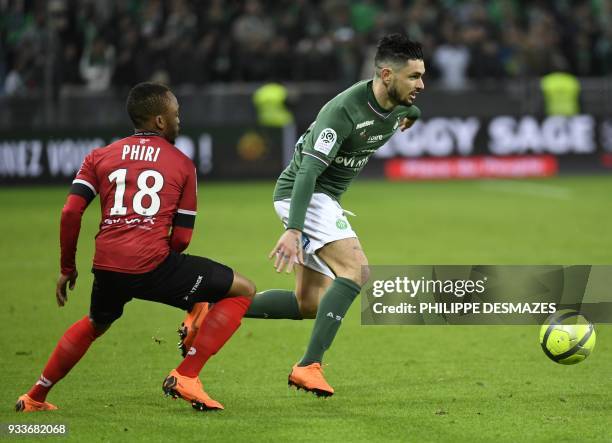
x=326, y=141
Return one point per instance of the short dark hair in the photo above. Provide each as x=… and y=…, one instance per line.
x=146, y=100
x=397, y=49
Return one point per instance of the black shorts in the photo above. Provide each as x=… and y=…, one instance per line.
x=180, y=280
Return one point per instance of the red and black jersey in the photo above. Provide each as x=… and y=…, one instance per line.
x=146, y=187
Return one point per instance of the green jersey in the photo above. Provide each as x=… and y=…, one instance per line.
x=347, y=131
x=337, y=146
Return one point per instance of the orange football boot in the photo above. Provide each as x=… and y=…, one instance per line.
x=26, y=404
x=310, y=378
x=190, y=326
x=189, y=389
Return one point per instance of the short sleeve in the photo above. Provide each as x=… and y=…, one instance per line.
x=188, y=203
x=86, y=182
x=332, y=127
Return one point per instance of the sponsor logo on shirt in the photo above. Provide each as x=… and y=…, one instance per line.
x=364, y=124
x=141, y=222
x=351, y=162
x=326, y=141
x=375, y=138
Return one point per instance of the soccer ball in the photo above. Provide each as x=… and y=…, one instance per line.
x=567, y=337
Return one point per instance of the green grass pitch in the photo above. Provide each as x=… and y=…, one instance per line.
x=444, y=383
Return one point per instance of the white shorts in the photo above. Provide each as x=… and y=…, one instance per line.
x=325, y=222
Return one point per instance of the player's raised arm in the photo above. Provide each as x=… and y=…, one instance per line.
x=82, y=192
x=184, y=220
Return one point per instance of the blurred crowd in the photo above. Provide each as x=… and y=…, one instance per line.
x=99, y=45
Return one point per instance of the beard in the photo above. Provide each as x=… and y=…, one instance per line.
x=395, y=96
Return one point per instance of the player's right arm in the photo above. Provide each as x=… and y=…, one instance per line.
x=408, y=121
x=82, y=192
x=332, y=127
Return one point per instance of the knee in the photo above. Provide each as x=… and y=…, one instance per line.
x=242, y=287
x=365, y=274
x=246, y=288
x=251, y=289
x=358, y=272
x=308, y=308
x=99, y=327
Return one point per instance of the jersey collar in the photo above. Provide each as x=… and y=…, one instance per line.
x=146, y=134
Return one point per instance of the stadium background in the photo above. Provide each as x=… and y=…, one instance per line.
x=65, y=68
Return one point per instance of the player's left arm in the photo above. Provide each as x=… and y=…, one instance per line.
x=413, y=115
x=184, y=220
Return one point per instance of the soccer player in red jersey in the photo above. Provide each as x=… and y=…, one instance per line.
x=148, y=199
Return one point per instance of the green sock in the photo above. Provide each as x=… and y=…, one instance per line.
x=332, y=309
x=275, y=303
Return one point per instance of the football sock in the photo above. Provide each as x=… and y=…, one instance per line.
x=218, y=326
x=275, y=303
x=69, y=350
x=332, y=309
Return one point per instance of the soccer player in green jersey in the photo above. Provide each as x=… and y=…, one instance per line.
x=319, y=242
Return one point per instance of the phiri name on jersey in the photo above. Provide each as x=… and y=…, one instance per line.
x=140, y=152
